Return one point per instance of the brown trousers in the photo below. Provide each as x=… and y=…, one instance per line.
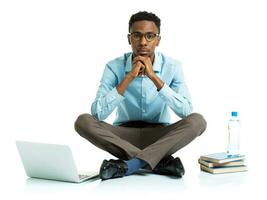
x=147, y=141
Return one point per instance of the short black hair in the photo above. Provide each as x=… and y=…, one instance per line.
x=144, y=15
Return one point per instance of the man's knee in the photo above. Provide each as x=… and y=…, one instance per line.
x=197, y=122
x=83, y=123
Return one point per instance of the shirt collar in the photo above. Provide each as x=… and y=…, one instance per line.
x=156, y=65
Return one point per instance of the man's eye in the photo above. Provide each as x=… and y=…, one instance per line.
x=150, y=36
x=137, y=35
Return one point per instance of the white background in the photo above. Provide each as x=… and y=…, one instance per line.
x=52, y=55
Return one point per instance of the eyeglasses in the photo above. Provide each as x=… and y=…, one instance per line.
x=137, y=36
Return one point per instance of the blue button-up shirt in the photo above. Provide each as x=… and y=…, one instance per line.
x=141, y=101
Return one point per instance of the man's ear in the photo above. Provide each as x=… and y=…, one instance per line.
x=129, y=40
x=159, y=37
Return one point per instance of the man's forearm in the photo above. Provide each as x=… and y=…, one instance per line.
x=122, y=86
x=157, y=81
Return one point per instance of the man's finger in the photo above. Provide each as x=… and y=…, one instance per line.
x=136, y=60
x=142, y=67
x=139, y=63
x=143, y=63
x=139, y=58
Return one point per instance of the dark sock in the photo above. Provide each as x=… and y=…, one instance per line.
x=134, y=165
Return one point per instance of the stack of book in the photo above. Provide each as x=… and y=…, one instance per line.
x=218, y=163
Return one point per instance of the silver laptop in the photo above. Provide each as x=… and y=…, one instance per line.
x=50, y=161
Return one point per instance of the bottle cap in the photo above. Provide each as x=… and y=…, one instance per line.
x=234, y=114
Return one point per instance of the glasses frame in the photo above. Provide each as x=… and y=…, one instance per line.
x=143, y=35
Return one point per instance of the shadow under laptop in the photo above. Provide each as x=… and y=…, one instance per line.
x=44, y=186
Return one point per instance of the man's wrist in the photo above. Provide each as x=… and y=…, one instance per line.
x=157, y=81
x=152, y=76
x=130, y=76
x=122, y=86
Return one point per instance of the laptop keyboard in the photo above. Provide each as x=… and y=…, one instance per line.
x=81, y=176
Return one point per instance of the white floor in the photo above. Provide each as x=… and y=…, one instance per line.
x=195, y=184
x=140, y=185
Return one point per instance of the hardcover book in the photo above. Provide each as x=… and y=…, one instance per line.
x=219, y=170
x=222, y=157
x=227, y=164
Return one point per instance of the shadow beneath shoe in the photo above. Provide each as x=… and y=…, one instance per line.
x=140, y=183
x=145, y=172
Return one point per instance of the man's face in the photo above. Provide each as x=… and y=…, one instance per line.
x=144, y=38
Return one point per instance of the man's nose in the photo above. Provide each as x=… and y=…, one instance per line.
x=143, y=40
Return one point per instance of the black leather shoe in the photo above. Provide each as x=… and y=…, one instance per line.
x=170, y=166
x=112, y=169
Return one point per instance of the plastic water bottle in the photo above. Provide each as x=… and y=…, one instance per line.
x=233, y=134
